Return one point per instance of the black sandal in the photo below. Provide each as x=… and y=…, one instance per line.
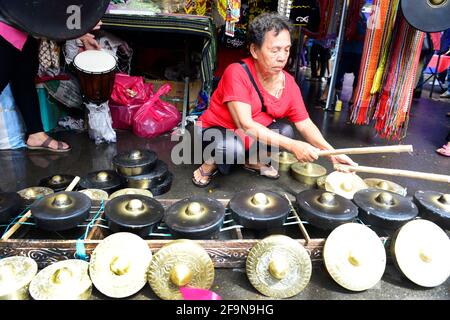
x=204, y=174
x=258, y=171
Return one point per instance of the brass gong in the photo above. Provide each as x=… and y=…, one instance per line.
x=325, y=210
x=259, y=209
x=180, y=263
x=385, y=185
x=57, y=182
x=344, y=184
x=61, y=211
x=279, y=267
x=434, y=206
x=196, y=217
x=421, y=250
x=33, y=193
x=307, y=173
x=354, y=256
x=106, y=180
x=126, y=191
x=284, y=160
x=118, y=265
x=16, y=274
x=63, y=280
x=96, y=195
x=384, y=209
x=135, y=162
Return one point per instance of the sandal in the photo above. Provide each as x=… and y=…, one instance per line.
x=259, y=171
x=210, y=175
x=46, y=146
x=444, y=151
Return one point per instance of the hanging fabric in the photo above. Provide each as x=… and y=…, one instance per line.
x=376, y=36
x=388, y=71
x=392, y=111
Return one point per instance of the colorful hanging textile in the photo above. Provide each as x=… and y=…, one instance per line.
x=376, y=36
x=392, y=112
x=388, y=71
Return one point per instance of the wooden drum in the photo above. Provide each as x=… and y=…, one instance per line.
x=96, y=73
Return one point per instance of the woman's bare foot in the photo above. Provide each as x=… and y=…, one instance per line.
x=203, y=175
x=41, y=140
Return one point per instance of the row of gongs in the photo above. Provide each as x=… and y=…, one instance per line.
x=119, y=267
x=276, y=266
x=201, y=217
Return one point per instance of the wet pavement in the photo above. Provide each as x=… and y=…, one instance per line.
x=427, y=130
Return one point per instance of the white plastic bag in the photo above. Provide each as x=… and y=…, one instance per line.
x=100, y=123
x=12, y=130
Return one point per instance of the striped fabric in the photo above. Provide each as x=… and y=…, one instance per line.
x=392, y=110
x=388, y=71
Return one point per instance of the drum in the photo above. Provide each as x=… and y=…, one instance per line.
x=96, y=73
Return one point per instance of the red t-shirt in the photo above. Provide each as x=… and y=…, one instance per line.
x=235, y=85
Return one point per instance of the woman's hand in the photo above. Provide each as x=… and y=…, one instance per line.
x=342, y=159
x=304, y=152
x=88, y=40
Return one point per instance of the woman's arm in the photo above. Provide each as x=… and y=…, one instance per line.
x=313, y=135
x=241, y=114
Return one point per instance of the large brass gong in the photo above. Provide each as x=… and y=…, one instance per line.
x=33, y=193
x=344, y=184
x=126, y=191
x=16, y=274
x=180, y=263
x=421, y=250
x=307, y=173
x=63, y=280
x=118, y=265
x=279, y=267
x=434, y=206
x=284, y=160
x=354, y=256
x=385, y=185
x=196, y=217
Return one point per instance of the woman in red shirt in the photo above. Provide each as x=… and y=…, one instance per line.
x=238, y=115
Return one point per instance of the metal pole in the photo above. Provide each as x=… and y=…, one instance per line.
x=299, y=52
x=435, y=74
x=339, y=43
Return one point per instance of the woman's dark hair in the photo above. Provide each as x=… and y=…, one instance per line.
x=264, y=23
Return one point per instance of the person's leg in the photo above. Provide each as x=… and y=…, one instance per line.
x=226, y=150
x=8, y=56
x=314, y=59
x=323, y=61
x=25, y=94
x=446, y=94
x=262, y=165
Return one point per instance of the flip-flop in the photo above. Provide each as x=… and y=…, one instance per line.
x=46, y=146
x=258, y=171
x=444, y=151
x=204, y=174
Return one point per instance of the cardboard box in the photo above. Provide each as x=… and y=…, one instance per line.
x=176, y=95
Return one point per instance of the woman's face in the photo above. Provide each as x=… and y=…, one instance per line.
x=273, y=55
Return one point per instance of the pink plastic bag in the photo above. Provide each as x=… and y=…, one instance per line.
x=129, y=94
x=129, y=90
x=156, y=117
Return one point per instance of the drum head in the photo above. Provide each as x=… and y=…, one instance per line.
x=95, y=61
x=54, y=19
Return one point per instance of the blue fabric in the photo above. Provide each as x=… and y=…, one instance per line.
x=11, y=125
